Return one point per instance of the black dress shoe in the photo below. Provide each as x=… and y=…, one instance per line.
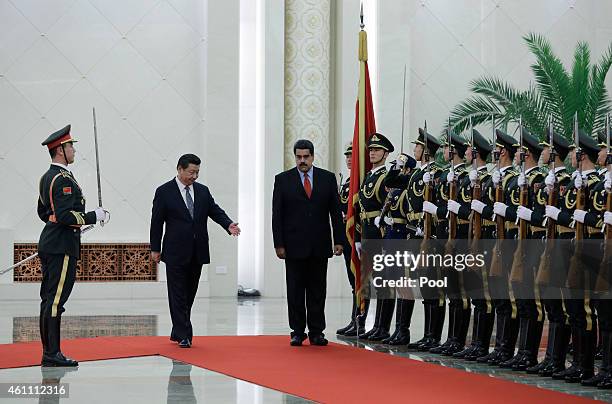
x=479, y=352
x=440, y=348
x=501, y=357
x=595, y=380
x=57, y=360
x=296, y=340
x=454, y=348
x=403, y=338
x=415, y=344
x=343, y=330
x=355, y=331
x=368, y=334
x=380, y=335
x=606, y=384
x=430, y=343
x=465, y=351
x=537, y=368
x=486, y=358
x=318, y=340
x=185, y=343
x=174, y=339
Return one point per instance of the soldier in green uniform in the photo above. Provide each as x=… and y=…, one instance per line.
x=530, y=307
x=459, y=307
x=415, y=185
x=357, y=323
x=394, y=223
x=371, y=199
x=61, y=206
x=505, y=307
x=580, y=308
x=558, y=320
x=484, y=315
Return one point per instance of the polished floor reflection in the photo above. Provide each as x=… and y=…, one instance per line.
x=145, y=377
x=152, y=379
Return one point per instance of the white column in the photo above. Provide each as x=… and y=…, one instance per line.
x=307, y=77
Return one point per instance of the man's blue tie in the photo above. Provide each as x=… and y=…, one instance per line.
x=189, y=201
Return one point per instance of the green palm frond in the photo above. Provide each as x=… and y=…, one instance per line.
x=555, y=92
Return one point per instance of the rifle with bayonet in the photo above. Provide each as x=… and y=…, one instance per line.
x=452, y=194
x=475, y=229
x=518, y=262
x=545, y=267
x=573, y=275
x=603, y=277
x=496, y=260
x=428, y=194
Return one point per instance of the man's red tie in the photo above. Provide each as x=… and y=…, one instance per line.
x=307, y=186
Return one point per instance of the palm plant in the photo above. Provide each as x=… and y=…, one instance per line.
x=556, y=92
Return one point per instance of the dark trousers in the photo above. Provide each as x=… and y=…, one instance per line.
x=183, y=281
x=59, y=275
x=306, y=291
x=347, y=263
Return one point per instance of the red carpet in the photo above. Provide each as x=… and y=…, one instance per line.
x=336, y=373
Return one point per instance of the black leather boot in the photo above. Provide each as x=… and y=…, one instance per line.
x=588, y=339
x=358, y=328
x=435, y=329
x=532, y=346
x=426, y=328
x=606, y=383
x=552, y=329
x=507, y=341
x=461, y=330
x=600, y=344
x=604, y=369
x=368, y=334
x=475, y=340
x=524, y=325
x=575, y=364
x=351, y=324
x=405, y=314
x=485, y=329
x=54, y=357
x=386, y=315
x=453, y=313
x=558, y=351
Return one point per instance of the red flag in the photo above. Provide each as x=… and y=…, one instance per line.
x=364, y=128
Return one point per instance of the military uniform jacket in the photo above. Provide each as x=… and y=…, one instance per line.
x=372, y=195
x=568, y=198
x=563, y=178
x=596, y=201
x=344, y=195
x=442, y=194
x=535, y=181
x=465, y=190
x=61, y=206
x=511, y=195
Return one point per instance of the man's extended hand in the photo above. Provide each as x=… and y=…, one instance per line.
x=338, y=249
x=234, y=229
x=280, y=253
x=156, y=256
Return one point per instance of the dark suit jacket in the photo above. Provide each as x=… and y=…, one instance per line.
x=182, y=232
x=300, y=224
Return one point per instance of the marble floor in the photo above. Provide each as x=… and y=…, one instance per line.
x=158, y=379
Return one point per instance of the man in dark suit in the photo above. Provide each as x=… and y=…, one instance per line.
x=184, y=206
x=303, y=201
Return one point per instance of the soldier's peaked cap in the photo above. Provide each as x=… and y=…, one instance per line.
x=59, y=138
x=378, y=141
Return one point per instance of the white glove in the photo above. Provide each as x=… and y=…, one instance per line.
x=453, y=206
x=608, y=182
x=579, y=215
x=388, y=220
x=100, y=214
x=473, y=176
x=550, y=179
x=427, y=177
x=496, y=177
x=478, y=206
x=430, y=207
x=499, y=209
x=522, y=181
x=608, y=218
x=377, y=221
x=450, y=177
x=578, y=181
x=552, y=212
x=358, y=249
x=574, y=174
x=524, y=213
x=400, y=161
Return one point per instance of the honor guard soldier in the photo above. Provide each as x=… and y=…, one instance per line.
x=505, y=307
x=525, y=262
x=484, y=315
x=459, y=306
x=357, y=323
x=61, y=206
x=425, y=148
x=395, y=222
x=558, y=321
x=371, y=199
x=580, y=307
